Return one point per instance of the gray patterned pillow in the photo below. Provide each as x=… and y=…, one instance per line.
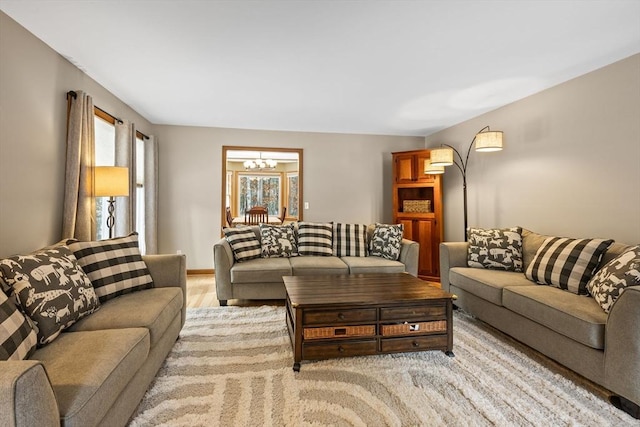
x=51, y=288
x=498, y=249
x=386, y=241
x=17, y=337
x=609, y=282
x=278, y=241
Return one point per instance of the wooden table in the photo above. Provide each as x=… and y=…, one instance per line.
x=364, y=314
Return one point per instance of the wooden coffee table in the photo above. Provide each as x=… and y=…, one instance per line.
x=365, y=314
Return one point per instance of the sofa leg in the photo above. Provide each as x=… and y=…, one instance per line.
x=625, y=405
x=223, y=302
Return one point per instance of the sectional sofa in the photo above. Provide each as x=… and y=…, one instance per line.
x=261, y=277
x=571, y=329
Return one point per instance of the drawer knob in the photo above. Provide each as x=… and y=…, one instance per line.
x=340, y=349
x=340, y=316
x=415, y=344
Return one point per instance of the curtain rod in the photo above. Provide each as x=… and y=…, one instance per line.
x=74, y=95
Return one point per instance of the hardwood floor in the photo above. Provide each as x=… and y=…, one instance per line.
x=201, y=292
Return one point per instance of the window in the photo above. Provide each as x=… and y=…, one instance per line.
x=292, y=194
x=140, y=194
x=105, y=155
x=259, y=190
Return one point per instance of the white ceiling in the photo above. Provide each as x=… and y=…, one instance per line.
x=374, y=67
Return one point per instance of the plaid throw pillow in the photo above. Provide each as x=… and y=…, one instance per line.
x=386, y=241
x=114, y=266
x=244, y=243
x=610, y=281
x=17, y=338
x=567, y=263
x=315, y=238
x=350, y=240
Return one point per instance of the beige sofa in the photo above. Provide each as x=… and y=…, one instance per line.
x=570, y=329
x=97, y=372
x=261, y=278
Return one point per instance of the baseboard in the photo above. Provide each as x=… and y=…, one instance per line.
x=202, y=271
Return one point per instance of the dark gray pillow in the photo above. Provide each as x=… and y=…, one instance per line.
x=498, y=249
x=609, y=282
x=386, y=241
x=51, y=288
x=278, y=241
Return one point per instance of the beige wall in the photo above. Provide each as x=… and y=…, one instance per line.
x=570, y=166
x=33, y=82
x=346, y=178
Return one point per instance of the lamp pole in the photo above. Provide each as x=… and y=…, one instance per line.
x=462, y=166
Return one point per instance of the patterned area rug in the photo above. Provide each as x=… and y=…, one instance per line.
x=233, y=367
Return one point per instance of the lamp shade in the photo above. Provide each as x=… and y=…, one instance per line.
x=442, y=156
x=111, y=181
x=430, y=169
x=489, y=141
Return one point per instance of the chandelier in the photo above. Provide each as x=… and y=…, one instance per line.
x=259, y=164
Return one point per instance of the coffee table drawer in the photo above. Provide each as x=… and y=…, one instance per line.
x=422, y=312
x=332, y=349
x=339, y=332
x=417, y=328
x=339, y=316
x=435, y=342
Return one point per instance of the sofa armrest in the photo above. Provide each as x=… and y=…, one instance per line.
x=21, y=384
x=622, y=346
x=222, y=262
x=452, y=254
x=410, y=256
x=169, y=271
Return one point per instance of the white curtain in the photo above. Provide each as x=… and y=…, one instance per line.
x=151, y=195
x=78, y=214
x=125, y=221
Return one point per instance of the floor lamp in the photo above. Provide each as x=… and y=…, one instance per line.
x=111, y=182
x=486, y=140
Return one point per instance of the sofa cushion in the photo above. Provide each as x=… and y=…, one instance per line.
x=89, y=370
x=50, y=288
x=244, y=243
x=315, y=239
x=115, y=266
x=497, y=249
x=18, y=339
x=611, y=280
x=486, y=284
x=372, y=264
x=261, y=270
x=385, y=241
x=575, y=316
x=153, y=309
x=278, y=241
x=349, y=240
x=567, y=263
x=317, y=265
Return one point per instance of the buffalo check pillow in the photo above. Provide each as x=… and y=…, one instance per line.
x=114, y=266
x=18, y=339
x=315, y=238
x=350, y=240
x=567, y=263
x=244, y=243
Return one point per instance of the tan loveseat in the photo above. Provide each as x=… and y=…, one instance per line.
x=570, y=329
x=97, y=372
x=261, y=278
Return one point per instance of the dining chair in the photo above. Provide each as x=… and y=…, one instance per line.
x=283, y=215
x=229, y=217
x=256, y=215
